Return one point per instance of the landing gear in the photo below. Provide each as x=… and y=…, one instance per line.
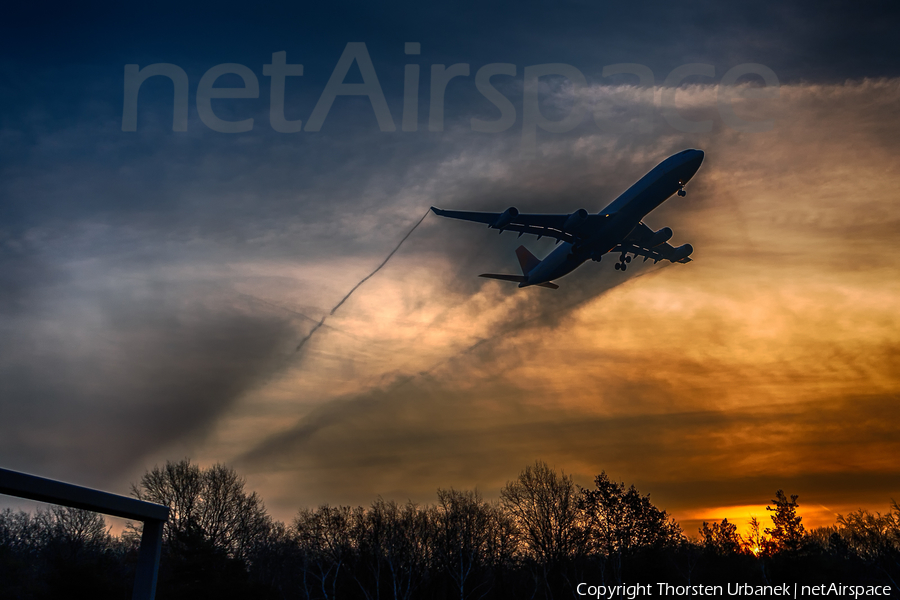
x=621, y=265
x=682, y=193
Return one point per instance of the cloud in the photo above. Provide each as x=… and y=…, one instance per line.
x=96, y=379
x=409, y=438
x=767, y=361
x=166, y=324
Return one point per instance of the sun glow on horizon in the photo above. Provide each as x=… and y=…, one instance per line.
x=813, y=517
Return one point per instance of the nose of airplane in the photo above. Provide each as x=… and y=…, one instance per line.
x=694, y=158
x=687, y=163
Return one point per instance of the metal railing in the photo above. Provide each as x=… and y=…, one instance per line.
x=32, y=487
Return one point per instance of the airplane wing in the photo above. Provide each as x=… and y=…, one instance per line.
x=636, y=243
x=657, y=253
x=541, y=225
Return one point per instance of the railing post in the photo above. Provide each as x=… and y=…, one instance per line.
x=148, y=561
x=23, y=485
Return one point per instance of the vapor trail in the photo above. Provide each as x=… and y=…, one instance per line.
x=310, y=334
x=378, y=268
x=361, y=281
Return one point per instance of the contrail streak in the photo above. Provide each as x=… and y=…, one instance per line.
x=310, y=334
x=378, y=268
x=362, y=281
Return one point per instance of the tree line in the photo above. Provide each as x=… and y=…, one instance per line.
x=539, y=540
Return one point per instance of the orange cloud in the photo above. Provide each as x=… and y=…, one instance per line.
x=770, y=361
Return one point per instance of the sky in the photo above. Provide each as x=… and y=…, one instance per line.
x=155, y=283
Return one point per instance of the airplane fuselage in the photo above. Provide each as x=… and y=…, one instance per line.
x=625, y=212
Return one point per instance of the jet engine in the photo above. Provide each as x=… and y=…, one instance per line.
x=659, y=237
x=506, y=218
x=681, y=252
x=575, y=219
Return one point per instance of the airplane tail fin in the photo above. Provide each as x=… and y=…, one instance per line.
x=527, y=260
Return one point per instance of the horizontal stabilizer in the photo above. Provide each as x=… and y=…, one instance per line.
x=516, y=278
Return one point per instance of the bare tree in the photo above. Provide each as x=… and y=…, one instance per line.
x=543, y=507
x=399, y=538
x=206, y=504
x=875, y=538
x=230, y=517
x=19, y=532
x=328, y=541
x=74, y=529
x=470, y=537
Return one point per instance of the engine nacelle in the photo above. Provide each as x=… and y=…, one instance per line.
x=575, y=219
x=505, y=218
x=681, y=252
x=659, y=237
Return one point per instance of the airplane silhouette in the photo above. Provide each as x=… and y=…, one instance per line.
x=616, y=228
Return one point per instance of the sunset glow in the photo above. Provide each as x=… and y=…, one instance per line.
x=157, y=283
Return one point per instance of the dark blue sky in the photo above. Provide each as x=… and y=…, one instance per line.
x=823, y=41
x=62, y=67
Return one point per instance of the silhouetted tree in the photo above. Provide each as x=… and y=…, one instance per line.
x=542, y=538
x=276, y=563
x=74, y=530
x=875, y=538
x=787, y=532
x=756, y=541
x=871, y=534
x=471, y=537
x=327, y=539
x=211, y=532
x=400, y=537
x=21, y=545
x=19, y=531
x=59, y=551
x=206, y=504
x=544, y=509
x=720, y=538
x=621, y=521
